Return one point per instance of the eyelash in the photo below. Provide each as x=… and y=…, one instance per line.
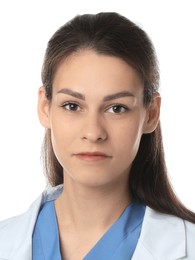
x=123, y=107
x=75, y=107
x=71, y=104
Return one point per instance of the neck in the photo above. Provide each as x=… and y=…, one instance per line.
x=87, y=208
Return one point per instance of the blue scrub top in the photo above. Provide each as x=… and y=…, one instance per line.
x=118, y=243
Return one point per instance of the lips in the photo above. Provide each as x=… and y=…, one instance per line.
x=92, y=156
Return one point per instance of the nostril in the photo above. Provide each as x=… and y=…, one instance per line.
x=93, y=130
x=94, y=137
x=99, y=139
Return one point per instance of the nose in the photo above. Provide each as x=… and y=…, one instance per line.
x=94, y=129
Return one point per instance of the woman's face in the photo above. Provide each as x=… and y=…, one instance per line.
x=96, y=117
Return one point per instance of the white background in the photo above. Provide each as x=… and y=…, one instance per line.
x=25, y=28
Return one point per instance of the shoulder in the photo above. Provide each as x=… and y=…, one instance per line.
x=190, y=237
x=30, y=215
x=165, y=220
x=16, y=232
x=153, y=217
x=166, y=233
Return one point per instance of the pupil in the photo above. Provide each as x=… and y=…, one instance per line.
x=117, y=109
x=73, y=106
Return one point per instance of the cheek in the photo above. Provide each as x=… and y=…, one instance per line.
x=128, y=146
x=61, y=133
x=127, y=138
x=126, y=152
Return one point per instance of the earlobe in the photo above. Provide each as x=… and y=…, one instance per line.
x=43, y=108
x=153, y=114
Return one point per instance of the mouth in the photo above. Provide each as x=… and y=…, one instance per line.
x=92, y=156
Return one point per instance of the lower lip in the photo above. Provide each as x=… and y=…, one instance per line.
x=91, y=158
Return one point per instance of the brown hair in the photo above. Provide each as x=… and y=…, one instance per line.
x=115, y=35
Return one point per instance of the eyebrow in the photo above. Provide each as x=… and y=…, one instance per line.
x=118, y=95
x=72, y=93
x=106, y=98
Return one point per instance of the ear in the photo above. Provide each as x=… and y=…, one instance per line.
x=43, y=108
x=153, y=114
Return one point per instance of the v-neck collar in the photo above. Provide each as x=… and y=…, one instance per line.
x=16, y=233
x=46, y=237
x=118, y=242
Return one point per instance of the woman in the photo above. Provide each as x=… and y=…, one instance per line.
x=103, y=153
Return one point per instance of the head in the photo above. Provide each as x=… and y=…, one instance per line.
x=116, y=40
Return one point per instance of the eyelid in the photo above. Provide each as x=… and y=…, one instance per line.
x=118, y=105
x=80, y=107
x=69, y=103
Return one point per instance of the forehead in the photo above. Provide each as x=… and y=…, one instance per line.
x=87, y=69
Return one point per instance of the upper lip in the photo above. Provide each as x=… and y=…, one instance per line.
x=96, y=153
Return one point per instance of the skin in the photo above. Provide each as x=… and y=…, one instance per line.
x=95, y=136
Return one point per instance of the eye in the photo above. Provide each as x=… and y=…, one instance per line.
x=71, y=106
x=117, y=109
